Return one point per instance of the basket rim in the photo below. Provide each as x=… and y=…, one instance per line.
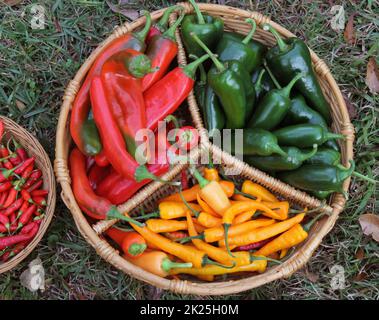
x=49, y=181
x=103, y=248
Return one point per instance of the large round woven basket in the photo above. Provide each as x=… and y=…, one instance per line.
x=147, y=197
x=33, y=148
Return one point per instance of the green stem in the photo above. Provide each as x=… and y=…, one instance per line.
x=220, y=67
x=203, y=74
x=167, y=265
x=273, y=78
x=187, y=239
x=113, y=213
x=190, y=69
x=281, y=44
x=226, y=231
x=309, y=225
x=236, y=191
x=287, y=89
x=278, y=150
x=170, y=33
x=202, y=181
x=143, y=173
x=258, y=83
x=361, y=176
x=200, y=17
x=310, y=154
x=293, y=211
x=148, y=216
x=196, y=213
x=331, y=136
x=252, y=31
x=141, y=35
x=136, y=249
x=163, y=22
x=255, y=258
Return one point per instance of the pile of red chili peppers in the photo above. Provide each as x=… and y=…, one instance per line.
x=130, y=87
x=22, y=199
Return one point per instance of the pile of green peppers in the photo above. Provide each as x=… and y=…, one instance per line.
x=273, y=95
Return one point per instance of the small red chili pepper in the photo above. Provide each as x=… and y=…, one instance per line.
x=184, y=179
x=26, y=216
x=20, y=150
x=4, y=220
x=3, y=197
x=35, y=186
x=176, y=235
x=6, y=174
x=39, y=193
x=23, y=208
x=5, y=186
x=101, y=159
x=11, y=198
x=27, y=172
x=41, y=201
x=4, y=153
x=28, y=227
x=21, y=168
x=3, y=229
x=12, y=240
x=34, y=176
x=17, y=249
x=1, y=129
x=13, y=218
x=252, y=246
x=13, y=207
x=26, y=196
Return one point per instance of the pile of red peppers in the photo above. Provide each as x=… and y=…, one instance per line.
x=130, y=87
x=22, y=199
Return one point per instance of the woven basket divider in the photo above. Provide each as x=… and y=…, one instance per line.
x=150, y=193
x=33, y=148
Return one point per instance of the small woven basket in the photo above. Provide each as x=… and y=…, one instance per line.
x=33, y=148
x=147, y=197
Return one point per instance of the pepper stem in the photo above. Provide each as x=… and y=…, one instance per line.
x=202, y=181
x=287, y=89
x=154, y=214
x=236, y=191
x=203, y=74
x=281, y=44
x=255, y=258
x=220, y=67
x=273, y=78
x=214, y=263
x=143, y=173
x=190, y=69
x=361, y=176
x=163, y=22
x=170, y=33
x=252, y=31
x=226, y=231
x=200, y=17
x=278, y=150
x=309, y=225
x=351, y=171
x=195, y=213
x=309, y=154
x=113, y=213
x=141, y=35
x=167, y=265
x=331, y=136
x=258, y=83
x=187, y=239
x=136, y=249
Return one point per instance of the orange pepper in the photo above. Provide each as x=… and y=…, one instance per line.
x=258, y=191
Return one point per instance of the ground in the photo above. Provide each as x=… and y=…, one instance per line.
x=36, y=66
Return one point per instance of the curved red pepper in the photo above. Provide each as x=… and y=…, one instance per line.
x=81, y=105
x=96, y=175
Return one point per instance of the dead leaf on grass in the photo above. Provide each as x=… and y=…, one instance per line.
x=349, y=33
x=11, y=2
x=123, y=7
x=360, y=254
x=350, y=108
x=372, y=75
x=20, y=105
x=370, y=225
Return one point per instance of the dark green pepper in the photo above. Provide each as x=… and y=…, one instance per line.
x=262, y=83
x=300, y=112
x=305, y=135
x=321, y=194
x=248, y=52
x=256, y=142
x=290, y=57
x=229, y=88
x=91, y=136
x=325, y=156
x=273, y=107
x=200, y=85
x=316, y=177
x=208, y=29
x=214, y=115
x=293, y=160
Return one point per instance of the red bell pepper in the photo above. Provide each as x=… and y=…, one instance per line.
x=161, y=50
x=81, y=106
x=166, y=95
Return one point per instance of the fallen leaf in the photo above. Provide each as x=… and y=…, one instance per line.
x=350, y=108
x=372, y=75
x=311, y=276
x=349, y=33
x=360, y=276
x=360, y=254
x=123, y=7
x=20, y=105
x=12, y=2
x=370, y=225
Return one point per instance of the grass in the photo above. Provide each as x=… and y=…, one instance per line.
x=36, y=66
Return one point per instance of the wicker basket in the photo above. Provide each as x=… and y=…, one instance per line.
x=148, y=196
x=33, y=148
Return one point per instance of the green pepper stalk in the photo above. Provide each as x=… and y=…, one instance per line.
x=288, y=58
x=229, y=88
x=163, y=22
x=273, y=107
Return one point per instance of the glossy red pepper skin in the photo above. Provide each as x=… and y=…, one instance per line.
x=12, y=240
x=115, y=148
x=34, y=176
x=4, y=152
x=81, y=105
x=97, y=174
x=17, y=249
x=13, y=207
x=5, y=186
x=97, y=206
x=24, y=165
x=125, y=97
x=26, y=216
x=10, y=198
x=101, y=159
x=39, y=193
x=38, y=184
